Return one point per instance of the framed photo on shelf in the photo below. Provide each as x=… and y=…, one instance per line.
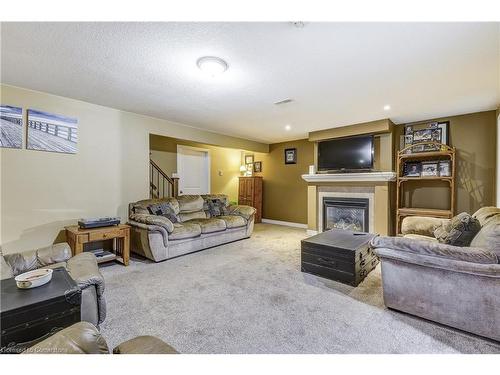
x=290, y=156
x=412, y=169
x=418, y=148
x=445, y=168
x=430, y=169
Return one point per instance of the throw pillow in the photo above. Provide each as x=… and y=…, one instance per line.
x=163, y=209
x=217, y=207
x=459, y=232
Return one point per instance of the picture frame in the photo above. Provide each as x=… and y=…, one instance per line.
x=408, y=140
x=249, y=169
x=422, y=135
x=52, y=132
x=430, y=169
x=11, y=126
x=445, y=127
x=445, y=168
x=417, y=148
x=412, y=169
x=257, y=167
x=290, y=156
x=248, y=159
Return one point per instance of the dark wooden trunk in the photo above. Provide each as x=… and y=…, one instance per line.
x=339, y=255
x=29, y=315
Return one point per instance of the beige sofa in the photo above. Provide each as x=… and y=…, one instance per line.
x=451, y=285
x=196, y=227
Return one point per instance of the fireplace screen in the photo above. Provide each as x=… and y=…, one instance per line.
x=345, y=213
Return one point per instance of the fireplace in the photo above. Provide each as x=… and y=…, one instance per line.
x=346, y=213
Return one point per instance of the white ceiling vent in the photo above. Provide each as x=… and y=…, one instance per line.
x=284, y=101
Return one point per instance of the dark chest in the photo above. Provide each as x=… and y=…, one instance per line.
x=339, y=255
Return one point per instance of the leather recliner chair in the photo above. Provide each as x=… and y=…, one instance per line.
x=82, y=268
x=84, y=338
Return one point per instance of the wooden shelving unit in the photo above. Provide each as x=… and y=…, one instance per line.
x=445, y=153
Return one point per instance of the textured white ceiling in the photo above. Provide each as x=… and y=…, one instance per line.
x=336, y=73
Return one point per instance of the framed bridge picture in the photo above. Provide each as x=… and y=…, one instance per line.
x=11, y=126
x=51, y=132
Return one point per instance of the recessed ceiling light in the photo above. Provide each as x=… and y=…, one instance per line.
x=387, y=107
x=212, y=65
x=288, y=127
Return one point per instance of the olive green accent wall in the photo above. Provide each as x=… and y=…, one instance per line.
x=474, y=136
x=224, y=162
x=285, y=192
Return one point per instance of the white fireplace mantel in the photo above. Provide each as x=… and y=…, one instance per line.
x=350, y=177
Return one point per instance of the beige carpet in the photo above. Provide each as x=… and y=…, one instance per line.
x=249, y=296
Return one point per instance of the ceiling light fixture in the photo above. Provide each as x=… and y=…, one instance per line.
x=288, y=127
x=387, y=107
x=212, y=65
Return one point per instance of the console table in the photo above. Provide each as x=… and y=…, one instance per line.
x=120, y=234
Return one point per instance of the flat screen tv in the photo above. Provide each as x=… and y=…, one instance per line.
x=346, y=154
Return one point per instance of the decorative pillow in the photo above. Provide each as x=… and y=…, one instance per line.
x=489, y=236
x=216, y=207
x=163, y=209
x=459, y=231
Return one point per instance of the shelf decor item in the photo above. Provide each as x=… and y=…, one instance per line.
x=444, y=168
x=430, y=169
x=413, y=169
x=435, y=165
x=290, y=156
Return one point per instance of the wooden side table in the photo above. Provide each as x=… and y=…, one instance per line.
x=120, y=234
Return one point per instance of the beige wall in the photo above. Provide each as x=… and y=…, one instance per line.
x=224, y=163
x=41, y=192
x=474, y=137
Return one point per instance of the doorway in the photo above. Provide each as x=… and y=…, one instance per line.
x=193, y=169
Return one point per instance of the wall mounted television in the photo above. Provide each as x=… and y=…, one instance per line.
x=346, y=154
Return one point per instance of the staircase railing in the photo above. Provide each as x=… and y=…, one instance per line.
x=160, y=184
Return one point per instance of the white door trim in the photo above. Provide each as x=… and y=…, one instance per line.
x=179, y=163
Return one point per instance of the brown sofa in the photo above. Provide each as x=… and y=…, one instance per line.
x=195, y=227
x=455, y=286
x=84, y=338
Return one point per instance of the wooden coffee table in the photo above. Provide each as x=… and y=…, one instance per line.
x=120, y=234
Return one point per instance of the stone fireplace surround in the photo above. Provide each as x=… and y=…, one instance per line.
x=345, y=192
x=377, y=187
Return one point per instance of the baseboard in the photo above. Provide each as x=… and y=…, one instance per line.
x=285, y=223
x=311, y=232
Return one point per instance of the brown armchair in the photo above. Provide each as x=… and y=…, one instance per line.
x=84, y=338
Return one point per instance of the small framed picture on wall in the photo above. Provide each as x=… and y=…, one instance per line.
x=248, y=159
x=257, y=167
x=291, y=156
